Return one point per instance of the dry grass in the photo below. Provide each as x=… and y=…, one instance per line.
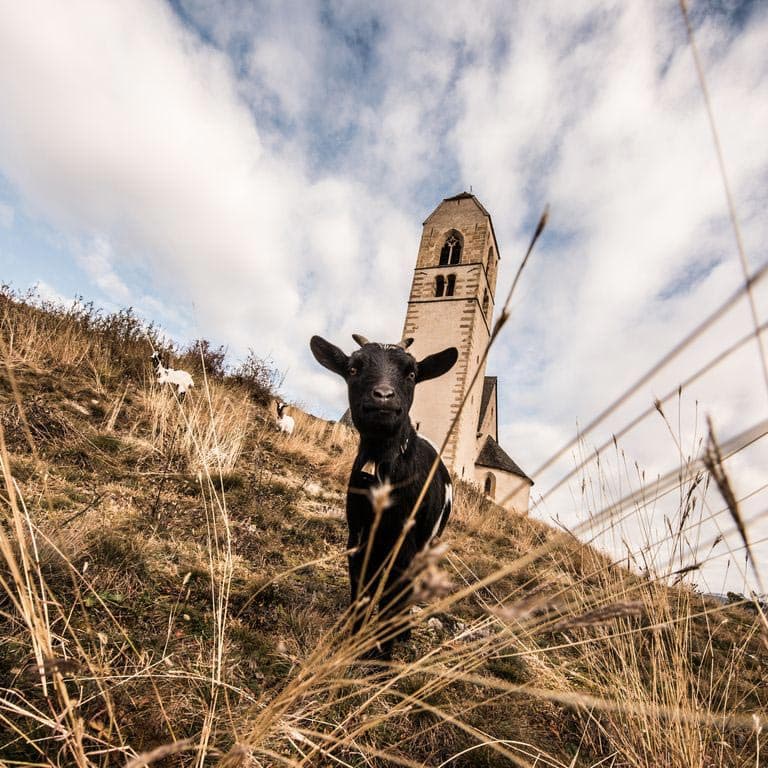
x=44, y=335
x=327, y=447
x=207, y=430
x=174, y=593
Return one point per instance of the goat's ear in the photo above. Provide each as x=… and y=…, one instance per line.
x=329, y=355
x=436, y=365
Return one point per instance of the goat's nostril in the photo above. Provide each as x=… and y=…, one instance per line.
x=383, y=393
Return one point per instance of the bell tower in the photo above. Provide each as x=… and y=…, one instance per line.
x=451, y=304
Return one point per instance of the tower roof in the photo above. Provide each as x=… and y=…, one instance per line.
x=468, y=196
x=494, y=456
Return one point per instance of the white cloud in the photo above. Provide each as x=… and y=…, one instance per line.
x=96, y=259
x=48, y=293
x=7, y=216
x=153, y=149
x=612, y=131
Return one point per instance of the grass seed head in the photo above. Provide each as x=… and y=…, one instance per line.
x=381, y=497
x=431, y=584
x=601, y=615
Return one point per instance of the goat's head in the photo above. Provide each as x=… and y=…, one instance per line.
x=381, y=379
x=280, y=408
x=156, y=362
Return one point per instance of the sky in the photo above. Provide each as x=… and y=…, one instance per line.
x=258, y=172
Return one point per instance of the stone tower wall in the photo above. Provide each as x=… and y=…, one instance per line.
x=457, y=320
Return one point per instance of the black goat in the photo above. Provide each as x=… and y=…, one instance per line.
x=381, y=379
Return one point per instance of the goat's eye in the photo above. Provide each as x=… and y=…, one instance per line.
x=353, y=371
x=412, y=375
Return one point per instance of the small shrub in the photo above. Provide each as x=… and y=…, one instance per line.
x=258, y=376
x=77, y=334
x=126, y=339
x=200, y=356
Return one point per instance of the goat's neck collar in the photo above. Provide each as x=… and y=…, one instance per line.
x=377, y=456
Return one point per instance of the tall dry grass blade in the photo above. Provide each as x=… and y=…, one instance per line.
x=145, y=759
x=662, y=363
x=727, y=189
x=621, y=610
x=713, y=461
x=29, y=596
x=643, y=415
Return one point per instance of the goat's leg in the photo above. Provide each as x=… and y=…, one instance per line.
x=363, y=582
x=394, y=607
x=358, y=603
x=363, y=591
x=355, y=563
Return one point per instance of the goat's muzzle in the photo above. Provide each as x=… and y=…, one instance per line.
x=384, y=412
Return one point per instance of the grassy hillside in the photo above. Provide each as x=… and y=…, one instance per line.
x=173, y=592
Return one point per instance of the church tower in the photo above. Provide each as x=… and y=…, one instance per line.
x=451, y=304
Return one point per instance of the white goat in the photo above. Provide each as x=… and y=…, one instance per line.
x=285, y=423
x=181, y=379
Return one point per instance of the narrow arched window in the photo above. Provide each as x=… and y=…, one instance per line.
x=485, y=302
x=490, y=485
x=451, y=286
x=451, y=252
x=439, y=285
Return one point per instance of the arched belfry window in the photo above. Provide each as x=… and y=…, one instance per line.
x=450, y=287
x=489, y=486
x=439, y=285
x=451, y=251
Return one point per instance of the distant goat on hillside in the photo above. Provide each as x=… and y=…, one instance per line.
x=181, y=379
x=285, y=423
x=381, y=379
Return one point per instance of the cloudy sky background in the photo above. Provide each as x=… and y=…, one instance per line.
x=257, y=172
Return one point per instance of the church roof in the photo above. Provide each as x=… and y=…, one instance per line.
x=494, y=456
x=489, y=385
x=469, y=196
